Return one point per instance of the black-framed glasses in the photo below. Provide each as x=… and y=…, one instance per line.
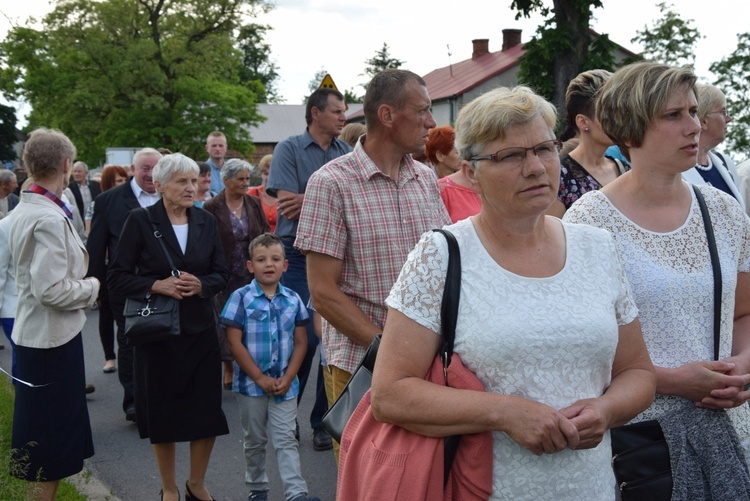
x=515, y=157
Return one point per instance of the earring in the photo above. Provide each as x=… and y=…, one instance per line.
x=586, y=129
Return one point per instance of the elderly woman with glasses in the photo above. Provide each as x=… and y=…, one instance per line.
x=240, y=219
x=713, y=167
x=561, y=363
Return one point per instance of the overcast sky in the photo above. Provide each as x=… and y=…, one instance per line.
x=339, y=35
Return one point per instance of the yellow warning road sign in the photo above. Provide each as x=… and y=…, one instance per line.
x=327, y=83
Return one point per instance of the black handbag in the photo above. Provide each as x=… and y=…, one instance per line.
x=334, y=421
x=640, y=454
x=155, y=317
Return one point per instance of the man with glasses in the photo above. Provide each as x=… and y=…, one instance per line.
x=110, y=212
x=363, y=213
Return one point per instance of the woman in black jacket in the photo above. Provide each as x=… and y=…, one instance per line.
x=177, y=393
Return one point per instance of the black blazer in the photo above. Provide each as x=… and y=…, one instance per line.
x=110, y=212
x=94, y=188
x=139, y=261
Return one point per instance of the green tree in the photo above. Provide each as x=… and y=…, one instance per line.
x=158, y=73
x=351, y=97
x=256, y=65
x=7, y=133
x=382, y=60
x=733, y=77
x=562, y=47
x=670, y=40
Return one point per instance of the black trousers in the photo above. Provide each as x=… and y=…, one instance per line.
x=124, y=353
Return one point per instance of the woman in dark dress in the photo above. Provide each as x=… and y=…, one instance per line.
x=177, y=394
x=240, y=219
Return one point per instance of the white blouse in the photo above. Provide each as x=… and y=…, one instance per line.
x=551, y=340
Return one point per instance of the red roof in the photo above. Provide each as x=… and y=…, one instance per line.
x=445, y=83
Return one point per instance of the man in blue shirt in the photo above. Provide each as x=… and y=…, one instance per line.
x=216, y=146
x=294, y=161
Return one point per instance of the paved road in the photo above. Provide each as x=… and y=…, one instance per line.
x=125, y=464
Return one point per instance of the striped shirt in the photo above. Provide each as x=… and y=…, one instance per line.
x=354, y=212
x=267, y=333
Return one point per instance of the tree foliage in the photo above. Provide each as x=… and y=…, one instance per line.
x=159, y=73
x=733, y=78
x=562, y=47
x=7, y=133
x=670, y=40
x=382, y=60
x=256, y=65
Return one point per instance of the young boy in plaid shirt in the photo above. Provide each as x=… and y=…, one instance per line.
x=265, y=325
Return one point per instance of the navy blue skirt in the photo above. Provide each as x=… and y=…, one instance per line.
x=51, y=428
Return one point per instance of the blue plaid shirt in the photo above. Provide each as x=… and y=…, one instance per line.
x=267, y=333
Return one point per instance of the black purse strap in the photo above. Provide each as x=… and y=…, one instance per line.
x=448, y=319
x=715, y=266
x=159, y=237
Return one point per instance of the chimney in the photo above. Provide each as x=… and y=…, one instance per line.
x=511, y=38
x=481, y=47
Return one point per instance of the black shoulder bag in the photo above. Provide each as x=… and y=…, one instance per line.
x=640, y=455
x=155, y=317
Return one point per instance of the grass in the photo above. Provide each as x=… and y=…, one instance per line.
x=13, y=489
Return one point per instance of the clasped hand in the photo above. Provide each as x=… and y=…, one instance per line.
x=274, y=386
x=185, y=285
x=715, y=384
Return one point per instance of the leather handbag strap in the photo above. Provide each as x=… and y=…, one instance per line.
x=448, y=319
x=159, y=236
x=715, y=266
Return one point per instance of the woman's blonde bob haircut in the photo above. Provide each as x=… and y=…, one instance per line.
x=488, y=117
x=634, y=98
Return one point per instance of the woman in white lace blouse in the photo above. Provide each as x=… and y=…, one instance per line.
x=561, y=363
x=650, y=111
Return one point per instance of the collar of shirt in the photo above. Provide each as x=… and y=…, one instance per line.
x=256, y=291
x=409, y=167
x=144, y=198
x=35, y=188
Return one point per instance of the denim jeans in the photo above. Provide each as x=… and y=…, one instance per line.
x=295, y=278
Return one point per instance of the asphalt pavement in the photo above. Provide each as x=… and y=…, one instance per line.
x=123, y=466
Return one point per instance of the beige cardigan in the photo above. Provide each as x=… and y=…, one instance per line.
x=50, y=262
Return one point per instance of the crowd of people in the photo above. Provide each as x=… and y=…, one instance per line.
x=587, y=287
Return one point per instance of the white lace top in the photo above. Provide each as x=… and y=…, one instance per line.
x=671, y=278
x=545, y=339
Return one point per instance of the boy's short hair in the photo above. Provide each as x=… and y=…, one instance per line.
x=265, y=240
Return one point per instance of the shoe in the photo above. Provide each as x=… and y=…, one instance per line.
x=189, y=496
x=296, y=430
x=303, y=497
x=228, y=386
x=2, y=346
x=90, y=389
x=321, y=440
x=109, y=367
x=258, y=496
x=130, y=414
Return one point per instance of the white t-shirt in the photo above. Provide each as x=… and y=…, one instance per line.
x=550, y=340
x=672, y=282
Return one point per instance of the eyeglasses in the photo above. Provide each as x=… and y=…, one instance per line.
x=722, y=111
x=515, y=157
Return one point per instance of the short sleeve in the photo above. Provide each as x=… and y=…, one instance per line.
x=418, y=291
x=625, y=308
x=283, y=172
x=302, y=317
x=233, y=314
x=322, y=227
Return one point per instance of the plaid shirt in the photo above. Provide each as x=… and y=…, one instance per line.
x=267, y=333
x=354, y=212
